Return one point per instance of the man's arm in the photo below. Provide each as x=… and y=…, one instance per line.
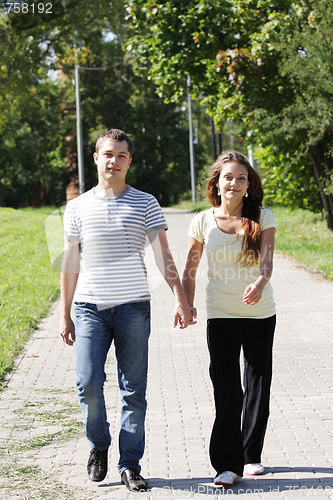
x=167, y=268
x=194, y=254
x=69, y=275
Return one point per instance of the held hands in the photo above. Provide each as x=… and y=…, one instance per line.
x=67, y=331
x=184, y=315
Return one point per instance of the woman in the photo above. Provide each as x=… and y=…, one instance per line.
x=238, y=233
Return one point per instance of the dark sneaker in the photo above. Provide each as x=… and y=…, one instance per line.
x=133, y=481
x=97, y=465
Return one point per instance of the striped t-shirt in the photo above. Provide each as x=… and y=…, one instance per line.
x=112, y=234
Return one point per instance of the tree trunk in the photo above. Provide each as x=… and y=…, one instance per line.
x=322, y=166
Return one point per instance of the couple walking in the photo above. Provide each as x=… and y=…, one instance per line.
x=104, y=274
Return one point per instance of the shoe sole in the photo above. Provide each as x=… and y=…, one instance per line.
x=219, y=483
x=98, y=480
x=255, y=473
x=141, y=490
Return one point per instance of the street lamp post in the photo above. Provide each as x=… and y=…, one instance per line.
x=191, y=145
x=79, y=130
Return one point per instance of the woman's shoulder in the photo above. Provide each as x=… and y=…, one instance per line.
x=203, y=217
x=265, y=210
x=267, y=218
x=199, y=224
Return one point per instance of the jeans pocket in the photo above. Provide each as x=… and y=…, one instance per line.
x=84, y=308
x=141, y=306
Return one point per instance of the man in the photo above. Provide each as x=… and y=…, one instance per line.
x=105, y=236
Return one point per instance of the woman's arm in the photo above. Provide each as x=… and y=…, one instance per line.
x=194, y=254
x=253, y=292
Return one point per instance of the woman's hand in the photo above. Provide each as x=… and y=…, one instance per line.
x=194, y=312
x=252, y=294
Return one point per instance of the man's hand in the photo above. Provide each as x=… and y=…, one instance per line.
x=67, y=331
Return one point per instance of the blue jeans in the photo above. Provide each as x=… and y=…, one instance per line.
x=129, y=326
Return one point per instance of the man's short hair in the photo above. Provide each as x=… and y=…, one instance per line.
x=115, y=135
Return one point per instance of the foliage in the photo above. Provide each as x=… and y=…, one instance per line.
x=159, y=130
x=307, y=61
x=264, y=65
x=174, y=38
x=267, y=64
x=32, y=126
x=287, y=182
x=208, y=40
x=39, y=132
x=32, y=154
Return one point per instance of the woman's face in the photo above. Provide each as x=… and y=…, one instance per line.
x=233, y=181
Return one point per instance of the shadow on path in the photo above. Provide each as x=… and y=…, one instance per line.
x=320, y=483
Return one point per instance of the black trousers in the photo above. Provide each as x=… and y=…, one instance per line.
x=241, y=417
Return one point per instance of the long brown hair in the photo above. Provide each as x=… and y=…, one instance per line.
x=251, y=204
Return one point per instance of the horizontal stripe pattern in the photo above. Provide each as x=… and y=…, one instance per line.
x=113, y=235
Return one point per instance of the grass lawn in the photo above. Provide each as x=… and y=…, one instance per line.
x=28, y=282
x=304, y=236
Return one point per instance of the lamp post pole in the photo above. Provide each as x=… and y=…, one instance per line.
x=191, y=145
x=79, y=130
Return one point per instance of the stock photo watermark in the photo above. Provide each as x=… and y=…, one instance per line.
x=272, y=491
x=25, y=15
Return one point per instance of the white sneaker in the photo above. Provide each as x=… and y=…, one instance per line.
x=227, y=478
x=254, y=469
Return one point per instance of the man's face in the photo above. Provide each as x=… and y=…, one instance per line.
x=113, y=160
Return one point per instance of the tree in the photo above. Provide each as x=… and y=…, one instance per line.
x=255, y=61
x=30, y=116
x=307, y=61
x=38, y=128
x=114, y=96
x=38, y=109
x=32, y=160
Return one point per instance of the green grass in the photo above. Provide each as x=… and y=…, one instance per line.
x=301, y=234
x=304, y=236
x=29, y=284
